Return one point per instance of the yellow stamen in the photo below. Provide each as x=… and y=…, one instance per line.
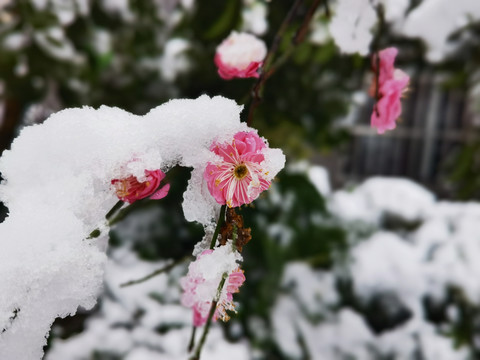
x=240, y=171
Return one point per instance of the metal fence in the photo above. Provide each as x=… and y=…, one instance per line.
x=435, y=123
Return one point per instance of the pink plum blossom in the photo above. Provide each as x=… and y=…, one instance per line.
x=240, y=55
x=392, y=84
x=201, y=283
x=130, y=189
x=238, y=178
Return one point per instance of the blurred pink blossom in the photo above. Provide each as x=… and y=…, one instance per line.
x=130, y=189
x=392, y=84
x=239, y=177
x=240, y=55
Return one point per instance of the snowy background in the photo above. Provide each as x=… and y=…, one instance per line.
x=345, y=263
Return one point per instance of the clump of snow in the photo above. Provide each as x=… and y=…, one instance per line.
x=396, y=268
x=56, y=44
x=65, y=10
x=254, y=17
x=315, y=290
x=174, y=60
x=435, y=20
x=118, y=7
x=15, y=41
x=378, y=197
x=395, y=10
x=345, y=336
x=319, y=177
x=351, y=25
x=57, y=178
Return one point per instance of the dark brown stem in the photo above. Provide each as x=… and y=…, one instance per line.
x=303, y=30
x=191, y=343
x=10, y=119
x=375, y=53
x=377, y=82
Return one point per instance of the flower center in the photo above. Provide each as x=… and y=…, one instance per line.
x=240, y=171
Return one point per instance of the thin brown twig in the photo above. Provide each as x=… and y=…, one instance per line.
x=297, y=39
x=375, y=53
x=270, y=68
x=221, y=220
x=256, y=99
x=198, y=350
x=377, y=82
x=156, y=272
x=302, y=31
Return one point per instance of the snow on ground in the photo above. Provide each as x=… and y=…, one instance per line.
x=437, y=244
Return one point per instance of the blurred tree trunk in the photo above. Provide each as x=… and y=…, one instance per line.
x=11, y=117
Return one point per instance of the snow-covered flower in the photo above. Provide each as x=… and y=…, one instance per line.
x=392, y=83
x=239, y=177
x=240, y=55
x=200, y=285
x=130, y=189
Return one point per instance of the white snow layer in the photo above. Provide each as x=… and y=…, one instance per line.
x=57, y=189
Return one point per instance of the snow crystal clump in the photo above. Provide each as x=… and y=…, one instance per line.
x=352, y=24
x=445, y=17
x=396, y=268
x=378, y=196
x=319, y=178
x=57, y=189
x=315, y=290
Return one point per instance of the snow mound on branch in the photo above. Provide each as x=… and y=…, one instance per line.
x=57, y=188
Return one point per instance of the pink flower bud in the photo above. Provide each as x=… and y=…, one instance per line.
x=130, y=189
x=240, y=55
